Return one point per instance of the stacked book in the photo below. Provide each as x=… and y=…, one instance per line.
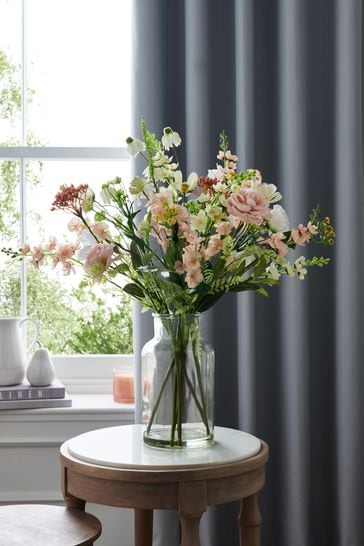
x=25, y=396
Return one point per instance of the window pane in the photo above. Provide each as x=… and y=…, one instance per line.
x=10, y=230
x=74, y=319
x=79, y=71
x=10, y=73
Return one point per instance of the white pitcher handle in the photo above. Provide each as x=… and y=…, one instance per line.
x=36, y=332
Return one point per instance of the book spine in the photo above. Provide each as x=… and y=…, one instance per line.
x=35, y=393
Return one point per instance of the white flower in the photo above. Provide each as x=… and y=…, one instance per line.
x=273, y=271
x=163, y=166
x=279, y=219
x=139, y=186
x=170, y=138
x=203, y=197
x=299, y=265
x=269, y=191
x=199, y=221
x=189, y=185
x=217, y=173
x=87, y=241
x=134, y=146
x=290, y=269
x=235, y=188
x=214, y=212
x=220, y=187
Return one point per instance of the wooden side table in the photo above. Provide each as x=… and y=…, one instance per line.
x=112, y=466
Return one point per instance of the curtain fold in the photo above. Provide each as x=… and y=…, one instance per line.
x=283, y=78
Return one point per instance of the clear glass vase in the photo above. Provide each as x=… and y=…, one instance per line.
x=177, y=384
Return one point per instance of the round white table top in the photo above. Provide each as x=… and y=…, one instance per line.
x=123, y=447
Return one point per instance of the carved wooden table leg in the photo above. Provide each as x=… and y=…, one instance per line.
x=143, y=527
x=250, y=522
x=192, y=503
x=190, y=535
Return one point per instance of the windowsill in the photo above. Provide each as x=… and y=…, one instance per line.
x=88, y=382
x=102, y=404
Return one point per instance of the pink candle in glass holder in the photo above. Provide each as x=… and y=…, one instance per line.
x=123, y=386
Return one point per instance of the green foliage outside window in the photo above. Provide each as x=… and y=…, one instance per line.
x=73, y=320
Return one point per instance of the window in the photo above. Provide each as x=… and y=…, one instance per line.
x=65, y=73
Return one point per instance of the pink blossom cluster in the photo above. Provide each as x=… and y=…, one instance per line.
x=59, y=254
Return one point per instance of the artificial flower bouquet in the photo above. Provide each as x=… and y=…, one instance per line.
x=176, y=244
x=181, y=241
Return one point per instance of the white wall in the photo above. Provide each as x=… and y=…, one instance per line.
x=29, y=457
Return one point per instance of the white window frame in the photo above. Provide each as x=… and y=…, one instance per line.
x=83, y=377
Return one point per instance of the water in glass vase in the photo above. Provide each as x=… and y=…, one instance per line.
x=177, y=384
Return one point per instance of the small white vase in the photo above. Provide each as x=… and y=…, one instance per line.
x=40, y=372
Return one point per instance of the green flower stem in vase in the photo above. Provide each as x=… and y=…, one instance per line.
x=178, y=382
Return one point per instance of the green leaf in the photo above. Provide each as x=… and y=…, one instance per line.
x=99, y=216
x=147, y=258
x=260, y=268
x=134, y=290
x=136, y=258
x=121, y=268
x=263, y=292
x=208, y=301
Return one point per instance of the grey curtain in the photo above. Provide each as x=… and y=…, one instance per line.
x=284, y=79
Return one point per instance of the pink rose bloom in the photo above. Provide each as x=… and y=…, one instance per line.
x=302, y=234
x=248, y=205
x=193, y=278
x=101, y=230
x=98, y=259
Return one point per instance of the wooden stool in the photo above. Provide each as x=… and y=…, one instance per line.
x=43, y=525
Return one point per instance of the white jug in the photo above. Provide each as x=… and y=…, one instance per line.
x=12, y=353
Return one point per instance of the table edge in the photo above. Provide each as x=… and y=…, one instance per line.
x=165, y=474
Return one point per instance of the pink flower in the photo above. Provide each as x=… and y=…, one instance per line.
x=37, y=256
x=193, y=278
x=276, y=241
x=248, y=205
x=76, y=225
x=191, y=258
x=64, y=252
x=230, y=156
x=25, y=249
x=302, y=234
x=161, y=233
x=159, y=202
x=178, y=267
x=98, y=259
x=223, y=228
x=51, y=245
x=67, y=267
x=101, y=230
x=214, y=246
